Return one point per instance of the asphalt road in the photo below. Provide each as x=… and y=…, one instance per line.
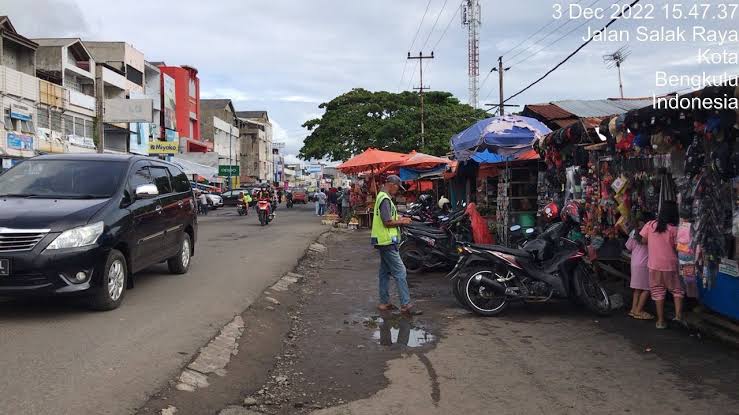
x=60, y=358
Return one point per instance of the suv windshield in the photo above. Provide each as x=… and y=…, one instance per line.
x=63, y=179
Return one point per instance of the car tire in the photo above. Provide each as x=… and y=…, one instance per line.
x=180, y=263
x=109, y=295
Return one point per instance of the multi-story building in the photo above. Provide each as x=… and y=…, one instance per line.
x=122, y=68
x=256, y=146
x=19, y=93
x=187, y=106
x=143, y=133
x=220, y=127
x=66, y=107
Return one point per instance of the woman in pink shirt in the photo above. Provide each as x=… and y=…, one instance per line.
x=661, y=237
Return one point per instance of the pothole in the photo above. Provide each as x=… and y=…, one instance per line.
x=400, y=330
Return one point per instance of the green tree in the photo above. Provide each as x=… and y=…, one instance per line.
x=359, y=119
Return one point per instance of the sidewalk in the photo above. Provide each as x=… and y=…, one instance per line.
x=551, y=358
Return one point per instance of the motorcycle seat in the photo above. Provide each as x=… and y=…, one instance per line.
x=503, y=249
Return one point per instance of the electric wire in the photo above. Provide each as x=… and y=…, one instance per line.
x=405, y=65
x=581, y=47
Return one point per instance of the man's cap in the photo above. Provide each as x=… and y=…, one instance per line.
x=396, y=180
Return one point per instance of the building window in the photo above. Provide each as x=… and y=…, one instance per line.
x=79, y=126
x=68, y=125
x=88, y=128
x=134, y=75
x=56, y=121
x=192, y=129
x=192, y=88
x=43, y=118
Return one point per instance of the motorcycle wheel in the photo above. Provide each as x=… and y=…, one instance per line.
x=592, y=294
x=262, y=219
x=409, y=254
x=457, y=289
x=480, y=300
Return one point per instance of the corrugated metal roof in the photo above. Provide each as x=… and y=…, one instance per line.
x=602, y=107
x=550, y=111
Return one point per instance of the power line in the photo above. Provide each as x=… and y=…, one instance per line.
x=555, y=40
x=533, y=34
x=555, y=30
x=634, y=3
x=414, y=42
x=456, y=12
x=443, y=6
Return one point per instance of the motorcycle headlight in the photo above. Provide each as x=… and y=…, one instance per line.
x=78, y=237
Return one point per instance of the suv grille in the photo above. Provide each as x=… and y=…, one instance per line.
x=17, y=240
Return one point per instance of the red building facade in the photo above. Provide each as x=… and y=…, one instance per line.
x=187, y=98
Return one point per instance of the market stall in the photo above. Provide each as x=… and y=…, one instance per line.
x=623, y=170
x=507, y=169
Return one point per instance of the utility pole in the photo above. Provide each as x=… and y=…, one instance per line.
x=100, y=107
x=471, y=17
x=420, y=89
x=501, y=97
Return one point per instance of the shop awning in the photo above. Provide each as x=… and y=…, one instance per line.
x=407, y=173
x=372, y=159
x=190, y=168
x=502, y=135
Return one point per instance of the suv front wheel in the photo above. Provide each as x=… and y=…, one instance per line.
x=113, y=283
x=180, y=263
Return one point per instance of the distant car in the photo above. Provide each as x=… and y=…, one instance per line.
x=300, y=196
x=215, y=200
x=231, y=198
x=83, y=225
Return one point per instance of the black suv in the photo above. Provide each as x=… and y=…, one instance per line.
x=83, y=224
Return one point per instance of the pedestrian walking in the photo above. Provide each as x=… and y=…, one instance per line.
x=661, y=238
x=639, y=273
x=317, y=202
x=322, y=198
x=332, y=199
x=203, y=199
x=386, y=238
x=345, y=201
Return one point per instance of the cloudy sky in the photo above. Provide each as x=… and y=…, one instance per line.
x=288, y=56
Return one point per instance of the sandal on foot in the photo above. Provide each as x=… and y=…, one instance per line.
x=410, y=310
x=661, y=325
x=680, y=322
x=643, y=316
x=386, y=307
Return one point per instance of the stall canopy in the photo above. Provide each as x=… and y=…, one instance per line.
x=421, y=161
x=519, y=155
x=372, y=160
x=503, y=136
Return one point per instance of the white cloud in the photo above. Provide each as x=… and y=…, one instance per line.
x=233, y=94
x=300, y=98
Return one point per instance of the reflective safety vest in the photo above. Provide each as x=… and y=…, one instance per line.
x=381, y=234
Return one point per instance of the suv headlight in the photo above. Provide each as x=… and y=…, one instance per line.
x=78, y=237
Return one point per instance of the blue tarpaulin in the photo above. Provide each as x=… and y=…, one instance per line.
x=500, y=135
x=414, y=174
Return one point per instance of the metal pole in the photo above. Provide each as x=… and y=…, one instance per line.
x=230, y=182
x=99, y=107
x=420, y=64
x=500, y=81
x=620, y=82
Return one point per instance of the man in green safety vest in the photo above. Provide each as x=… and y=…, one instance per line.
x=386, y=238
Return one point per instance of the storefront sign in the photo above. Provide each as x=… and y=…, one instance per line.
x=224, y=171
x=170, y=144
x=314, y=168
x=20, y=112
x=729, y=267
x=78, y=141
x=20, y=141
x=128, y=110
x=139, y=138
x=170, y=114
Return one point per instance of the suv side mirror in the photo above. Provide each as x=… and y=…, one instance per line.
x=146, y=191
x=515, y=228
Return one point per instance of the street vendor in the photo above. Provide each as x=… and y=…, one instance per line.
x=386, y=238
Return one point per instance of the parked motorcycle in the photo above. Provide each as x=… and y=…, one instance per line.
x=487, y=278
x=264, y=212
x=424, y=247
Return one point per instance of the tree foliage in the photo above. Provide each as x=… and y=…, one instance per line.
x=360, y=119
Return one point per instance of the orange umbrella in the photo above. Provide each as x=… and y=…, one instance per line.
x=372, y=159
x=423, y=161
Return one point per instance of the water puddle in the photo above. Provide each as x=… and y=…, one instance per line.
x=398, y=330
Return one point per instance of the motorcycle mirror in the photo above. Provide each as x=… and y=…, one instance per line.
x=514, y=228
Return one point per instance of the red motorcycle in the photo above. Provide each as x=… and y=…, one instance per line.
x=264, y=211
